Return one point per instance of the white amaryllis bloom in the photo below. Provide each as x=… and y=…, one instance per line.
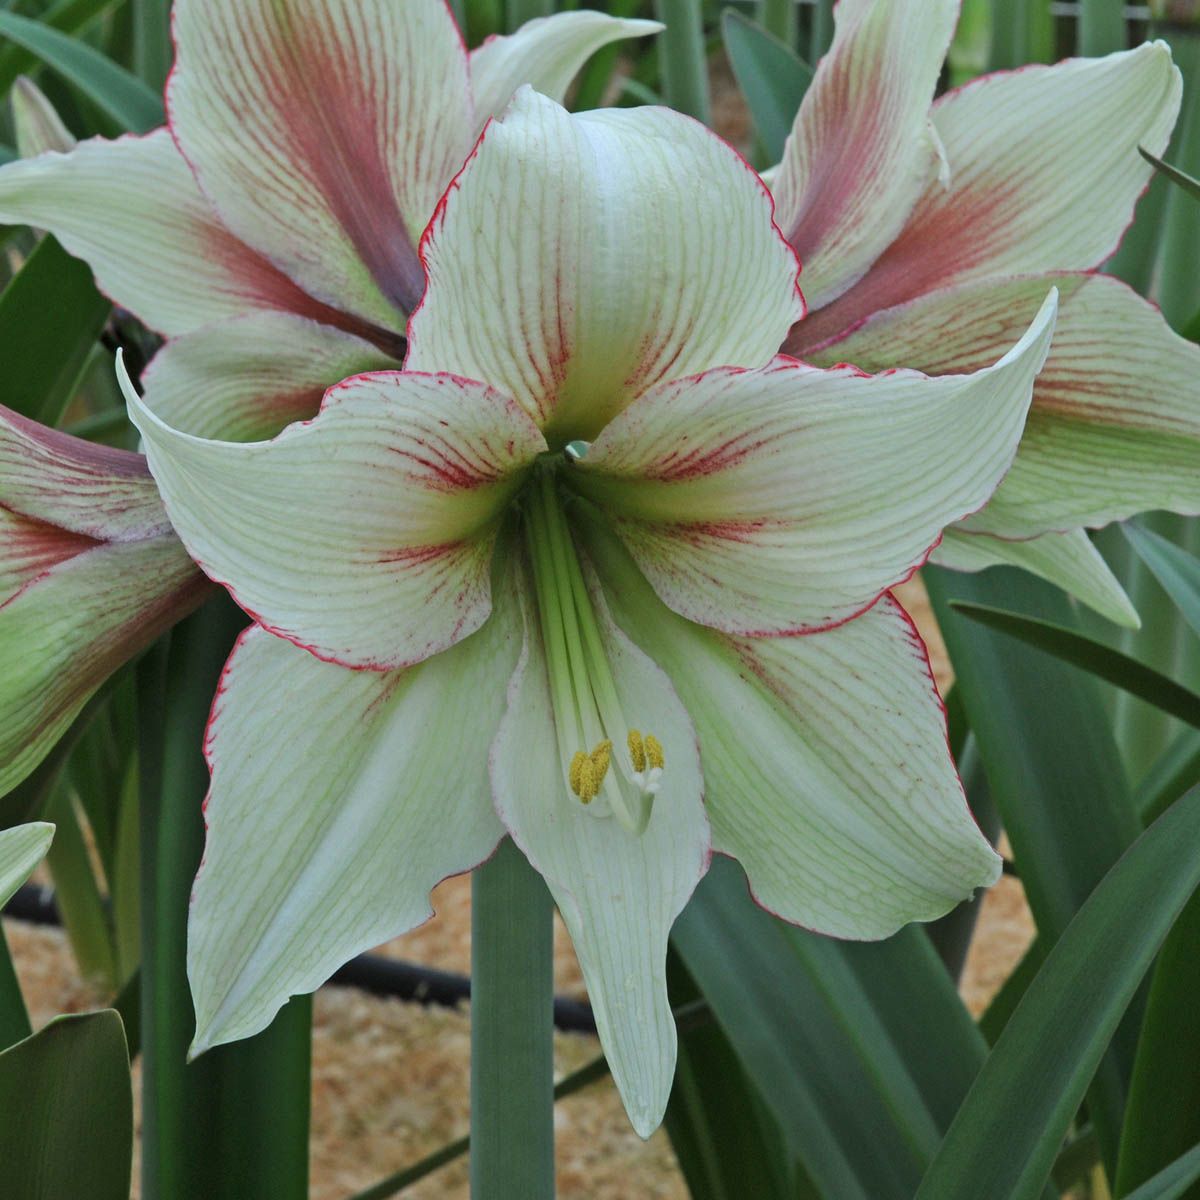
x=594, y=569
x=930, y=234
x=270, y=229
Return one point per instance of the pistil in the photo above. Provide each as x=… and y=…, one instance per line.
x=592, y=733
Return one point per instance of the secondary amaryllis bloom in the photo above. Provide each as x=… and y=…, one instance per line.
x=91, y=573
x=270, y=230
x=930, y=235
x=597, y=570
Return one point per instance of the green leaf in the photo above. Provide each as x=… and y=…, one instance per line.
x=682, y=57
x=1010, y=1127
x=71, y=17
x=850, y=1046
x=1172, y=773
x=1054, y=774
x=120, y=95
x=1173, y=567
x=1174, y=174
x=772, y=78
x=50, y=317
x=512, y=1052
x=1101, y=28
x=21, y=848
x=152, y=41
x=1094, y=657
x=68, y=1111
x=1171, y=1182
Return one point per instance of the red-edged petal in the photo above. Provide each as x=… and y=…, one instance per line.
x=1044, y=174
x=324, y=132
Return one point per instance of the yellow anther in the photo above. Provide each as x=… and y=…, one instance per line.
x=578, y=762
x=637, y=750
x=654, y=751
x=587, y=771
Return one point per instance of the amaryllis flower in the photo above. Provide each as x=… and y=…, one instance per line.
x=929, y=236
x=271, y=228
x=91, y=573
x=597, y=570
x=271, y=234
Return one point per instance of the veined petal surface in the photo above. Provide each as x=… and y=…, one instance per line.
x=28, y=547
x=77, y=486
x=69, y=628
x=580, y=259
x=1044, y=174
x=546, y=53
x=22, y=847
x=1114, y=427
x=618, y=893
x=825, y=759
x=131, y=209
x=787, y=499
x=1068, y=560
x=366, y=534
x=862, y=150
x=246, y=378
x=339, y=798
x=324, y=132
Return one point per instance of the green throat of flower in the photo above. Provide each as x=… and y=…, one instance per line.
x=607, y=764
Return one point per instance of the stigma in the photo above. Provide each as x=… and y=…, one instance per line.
x=608, y=765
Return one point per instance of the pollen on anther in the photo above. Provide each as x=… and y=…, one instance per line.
x=587, y=771
x=654, y=751
x=637, y=751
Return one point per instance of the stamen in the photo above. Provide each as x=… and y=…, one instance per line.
x=587, y=771
x=637, y=750
x=654, y=752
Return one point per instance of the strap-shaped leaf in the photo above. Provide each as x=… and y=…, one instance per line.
x=1173, y=567
x=68, y=1111
x=1011, y=1125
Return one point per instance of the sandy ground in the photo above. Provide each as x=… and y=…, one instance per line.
x=390, y=1079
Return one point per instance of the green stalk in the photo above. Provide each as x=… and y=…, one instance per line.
x=779, y=17
x=233, y=1124
x=512, y=998
x=14, y=1019
x=152, y=41
x=822, y=30
x=519, y=11
x=1101, y=28
x=682, y=58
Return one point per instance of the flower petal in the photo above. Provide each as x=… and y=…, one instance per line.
x=71, y=627
x=132, y=210
x=21, y=849
x=28, y=547
x=1044, y=174
x=1114, y=428
x=546, y=53
x=366, y=534
x=339, y=798
x=324, y=132
x=825, y=759
x=94, y=491
x=1068, y=560
x=580, y=259
x=862, y=150
x=245, y=379
x=787, y=499
x=36, y=122
x=618, y=894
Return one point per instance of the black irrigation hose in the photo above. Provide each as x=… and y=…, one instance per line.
x=368, y=972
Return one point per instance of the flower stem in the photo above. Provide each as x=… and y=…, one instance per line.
x=512, y=1064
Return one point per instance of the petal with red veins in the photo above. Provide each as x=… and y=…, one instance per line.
x=618, y=893
x=787, y=499
x=826, y=766
x=862, y=150
x=1044, y=174
x=546, y=53
x=78, y=486
x=339, y=798
x=131, y=209
x=1114, y=428
x=69, y=628
x=245, y=379
x=580, y=259
x=1068, y=560
x=365, y=534
x=324, y=132
x=28, y=547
